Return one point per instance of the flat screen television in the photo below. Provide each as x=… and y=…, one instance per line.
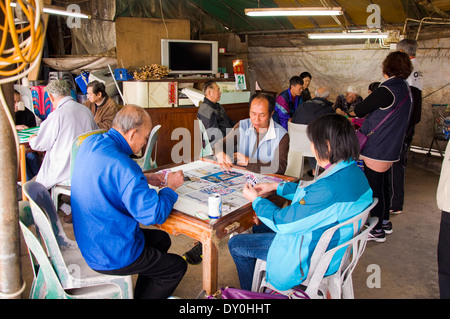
x=190, y=56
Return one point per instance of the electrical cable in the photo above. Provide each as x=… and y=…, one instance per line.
x=23, y=53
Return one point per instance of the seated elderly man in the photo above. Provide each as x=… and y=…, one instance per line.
x=101, y=105
x=111, y=197
x=309, y=110
x=345, y=104
x=56, y=134
x=212, y=114
x=262, y=145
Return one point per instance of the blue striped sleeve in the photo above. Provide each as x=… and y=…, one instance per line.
x=310, y=212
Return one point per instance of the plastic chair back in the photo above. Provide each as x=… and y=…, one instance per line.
x=53, y=289
x=339, y=284
x=65, y=256
x=146, y=162
x=64, y=187
x=77, y=143
x=319, y=282
x=206, y=149
x=50, y=287
x=299, y=147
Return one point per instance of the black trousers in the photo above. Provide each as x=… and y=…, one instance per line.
x=398, y=173
x=159, y=272
x=443, y=256
x=381, y=187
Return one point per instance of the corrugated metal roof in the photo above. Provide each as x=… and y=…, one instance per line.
x=215, y=16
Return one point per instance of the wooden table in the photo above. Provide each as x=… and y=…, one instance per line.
x=209, y=235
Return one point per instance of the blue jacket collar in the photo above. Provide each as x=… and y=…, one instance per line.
x=329, y=171
x=119, y=139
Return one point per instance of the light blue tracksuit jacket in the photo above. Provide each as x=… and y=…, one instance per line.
x=339, y=193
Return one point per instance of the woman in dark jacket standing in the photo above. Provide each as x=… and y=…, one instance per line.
x=384, y=145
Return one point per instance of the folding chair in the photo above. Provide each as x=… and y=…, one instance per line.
x=319, y=284
x=63, y=254
x=146, y=162
x=64, y=187
x=299, y=148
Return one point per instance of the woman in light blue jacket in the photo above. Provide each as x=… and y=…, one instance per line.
x=339, y=193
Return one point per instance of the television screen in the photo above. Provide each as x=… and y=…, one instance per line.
x=189, y=56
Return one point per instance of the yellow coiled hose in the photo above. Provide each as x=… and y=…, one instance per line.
x=21, y=54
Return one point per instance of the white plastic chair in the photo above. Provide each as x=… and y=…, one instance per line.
x=206, y=149
x=146, y=162
x=64, y=255
x=299, y=148
x=64, y=187
x=47, y=275
x=338, y=285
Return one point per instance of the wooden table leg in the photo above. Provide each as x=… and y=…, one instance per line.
x=210, y=265
x=23, y=169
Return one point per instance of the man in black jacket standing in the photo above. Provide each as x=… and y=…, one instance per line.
x=415, y=81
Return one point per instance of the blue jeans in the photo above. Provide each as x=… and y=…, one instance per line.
x=245, y=249
x=33, y=164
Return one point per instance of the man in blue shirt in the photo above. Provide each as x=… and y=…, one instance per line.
x=287, y=102
x=110, y=197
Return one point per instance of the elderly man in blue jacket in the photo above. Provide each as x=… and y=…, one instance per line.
x=111, y=197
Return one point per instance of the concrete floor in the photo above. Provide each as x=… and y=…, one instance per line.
x=406, y=262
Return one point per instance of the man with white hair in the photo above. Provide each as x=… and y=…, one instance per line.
x=57, y=132
x=309, y=110
x=345, y=104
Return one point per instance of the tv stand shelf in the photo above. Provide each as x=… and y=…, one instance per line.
x=186, y=79
x=155, y=93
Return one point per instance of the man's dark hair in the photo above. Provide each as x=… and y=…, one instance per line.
x=305, y=75
x=208, y=84
x=97, y=87
x=269, y=97
x=295, y=80
x=334, y=138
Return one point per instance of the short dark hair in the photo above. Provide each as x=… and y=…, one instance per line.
x=305, y=75
x=334, y=138
x=397, y=64
x=295, y=80
x=97, y=87
x=208, y=84
x=269, y=97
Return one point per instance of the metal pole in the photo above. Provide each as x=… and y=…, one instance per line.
x=11, y=283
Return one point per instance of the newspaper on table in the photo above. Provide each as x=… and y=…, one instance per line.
x=202, y=179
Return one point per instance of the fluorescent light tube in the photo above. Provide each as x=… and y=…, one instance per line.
x=66, y=13
x=296, y=11
x=347, y=35
x=60, y=12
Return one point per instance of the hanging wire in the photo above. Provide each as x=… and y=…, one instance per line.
x=22, y=53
